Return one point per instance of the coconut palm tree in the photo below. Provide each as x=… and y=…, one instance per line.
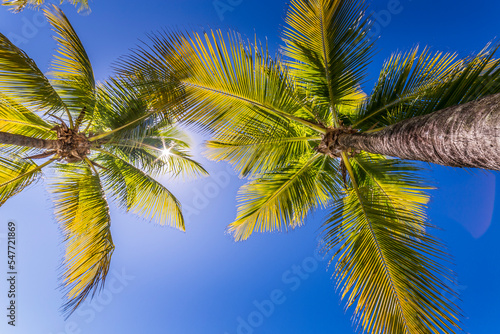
x=302, y=130
x=19, y=5
x=99, y=139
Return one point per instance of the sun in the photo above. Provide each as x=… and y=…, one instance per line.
x=166, y=152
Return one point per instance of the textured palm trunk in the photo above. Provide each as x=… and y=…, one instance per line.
x=19, y=140
x=466, y=135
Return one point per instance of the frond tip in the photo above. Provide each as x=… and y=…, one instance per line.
x=19, y=5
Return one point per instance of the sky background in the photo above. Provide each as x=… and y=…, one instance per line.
x=202, y=282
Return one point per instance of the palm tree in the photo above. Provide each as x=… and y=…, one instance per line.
x=307, y=137
x=19, y=5
x=114, y=143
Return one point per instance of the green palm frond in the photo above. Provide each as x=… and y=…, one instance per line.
x=132, y=119
x=178, y=158
x=225, y=79
x=82, y=5
x=83, y=215
x=282, y=199
x=158, y=155
x=327, y=49
x=387, y=265
x=138, y=192
x=16, y=173
x=14, y=118
x=23, y=82
x=72, y=70
x=122, y=111
x=255, y=148
x=413, y=84
x=19, y=5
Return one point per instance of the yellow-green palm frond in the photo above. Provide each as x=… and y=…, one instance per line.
x=23, y=82
x=417, y=83
x=225, y=79
x=16, y=119
x=281, y=199
x=83, y=215
x=71, y=68
x=327, y=49
x=138, y=192
x=82, y=5
x=160, y=152
x=387, y=265
x=123, y=113
x=255, y=148
x=175, y=153
x=16, y=173
x=19, y=5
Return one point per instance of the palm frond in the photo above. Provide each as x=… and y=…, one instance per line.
x=71, y=68
x=23, y=82
x=16, y=173
x=138, y=192
x=82, y=5
x=122, y=113
x=281, y=199
x=14, y=118
x=255, y=148
x=387, y=264
x=413, y=84
x=157, y=155
x=19, y=5
x=327, y=50
x=83, y=214
x=179, y=160
x=224, y=79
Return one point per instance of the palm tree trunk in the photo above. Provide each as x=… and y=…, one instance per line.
x=20, y=140
x=466, y=135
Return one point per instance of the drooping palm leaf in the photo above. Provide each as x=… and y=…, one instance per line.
x=83, y=215
x=136, y=191
x=387, y=264
x=16, y=173
x=281, y=199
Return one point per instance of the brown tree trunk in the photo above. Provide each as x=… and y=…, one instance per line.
x=466, y=135
x=19, y=140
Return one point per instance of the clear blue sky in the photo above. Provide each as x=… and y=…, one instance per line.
x=202, y=282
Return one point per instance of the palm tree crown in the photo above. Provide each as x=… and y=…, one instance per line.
x=278, y=120
x=100, y=139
